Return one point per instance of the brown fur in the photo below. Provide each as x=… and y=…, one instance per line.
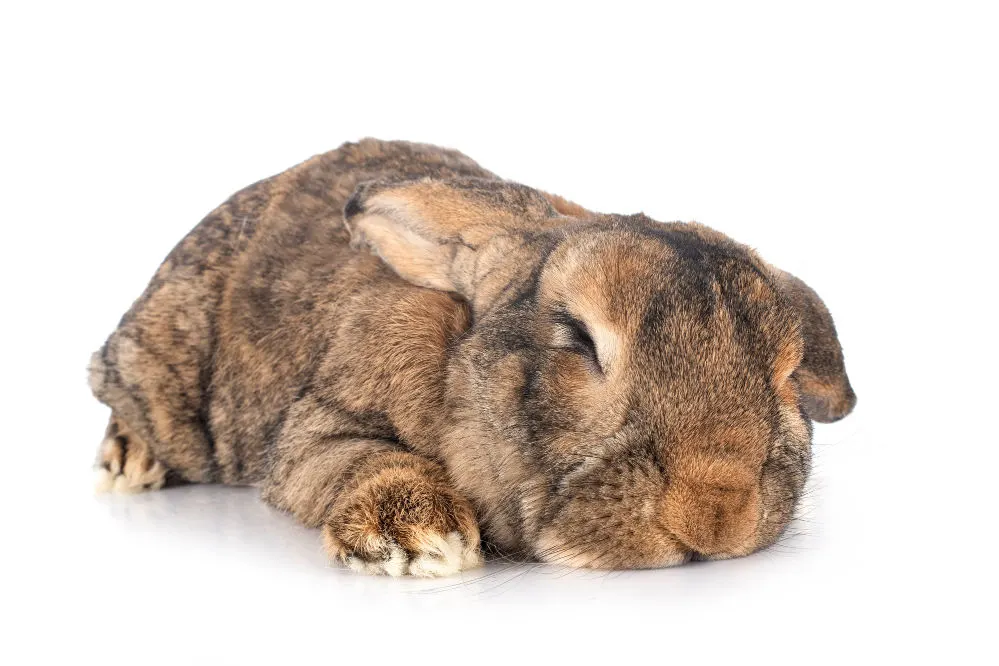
x=600, y=390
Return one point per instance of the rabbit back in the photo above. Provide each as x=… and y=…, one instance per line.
x=262, y=305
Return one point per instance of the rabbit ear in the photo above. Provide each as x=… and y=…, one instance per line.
x=825, y=389
x=439, y=233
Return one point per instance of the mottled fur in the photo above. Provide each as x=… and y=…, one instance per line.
x=605, y=391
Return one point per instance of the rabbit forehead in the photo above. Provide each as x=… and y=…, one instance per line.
x=608, y=273
x=657, y=288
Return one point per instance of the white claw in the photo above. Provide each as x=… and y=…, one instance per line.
x=436, y=556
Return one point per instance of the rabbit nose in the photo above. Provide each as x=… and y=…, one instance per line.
x=709, y=518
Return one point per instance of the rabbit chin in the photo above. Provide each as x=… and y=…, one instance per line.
x=554, y=549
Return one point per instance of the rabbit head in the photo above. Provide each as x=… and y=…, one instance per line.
x=630, y=393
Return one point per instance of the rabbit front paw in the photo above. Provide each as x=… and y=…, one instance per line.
x=403, y=521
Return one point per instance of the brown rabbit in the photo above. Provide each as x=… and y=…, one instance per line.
x=596, y=390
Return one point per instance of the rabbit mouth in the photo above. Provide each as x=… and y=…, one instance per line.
x=655, y=551
x=610, y=552
x=661, y=529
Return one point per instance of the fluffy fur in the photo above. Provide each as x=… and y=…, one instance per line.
x=599, y=390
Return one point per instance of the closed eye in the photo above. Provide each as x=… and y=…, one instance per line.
x=577, y=338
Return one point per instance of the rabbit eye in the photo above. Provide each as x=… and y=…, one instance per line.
x=577, y=338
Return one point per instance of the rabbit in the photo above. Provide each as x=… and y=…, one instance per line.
x=418, y=357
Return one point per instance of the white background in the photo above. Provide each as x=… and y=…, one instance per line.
x=855, y=145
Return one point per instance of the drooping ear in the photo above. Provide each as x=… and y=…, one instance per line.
x=445, y=234
x=825, y=388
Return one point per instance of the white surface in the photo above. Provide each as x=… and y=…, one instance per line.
x=855, y=146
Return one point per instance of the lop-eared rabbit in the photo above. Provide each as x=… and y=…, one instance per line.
x=406, y=351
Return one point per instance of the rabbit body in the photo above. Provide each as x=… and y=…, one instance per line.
x=270, y=350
